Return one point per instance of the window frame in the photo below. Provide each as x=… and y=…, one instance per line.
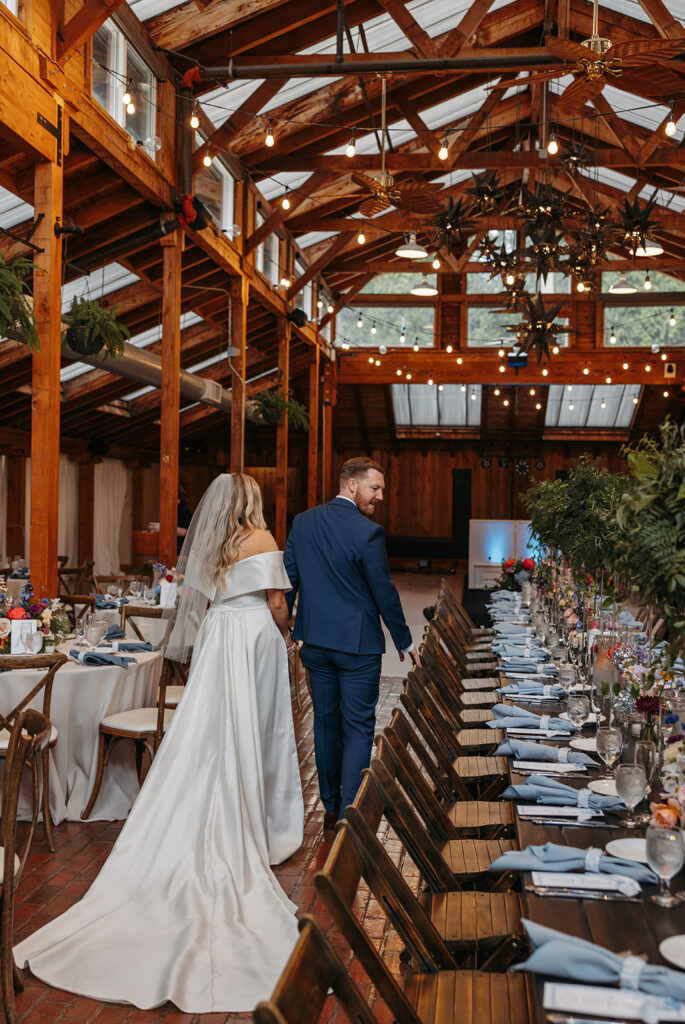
x=114, y=108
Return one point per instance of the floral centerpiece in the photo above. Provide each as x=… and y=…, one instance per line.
x=52, y=621
x=515, y=572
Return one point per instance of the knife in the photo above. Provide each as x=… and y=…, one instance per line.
x=581, y=894
x=560, y=1018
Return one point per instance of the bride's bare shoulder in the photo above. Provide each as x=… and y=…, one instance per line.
x=257, y=543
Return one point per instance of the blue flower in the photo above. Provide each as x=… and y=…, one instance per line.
x=671, y=719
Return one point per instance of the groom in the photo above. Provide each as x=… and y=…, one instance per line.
x=336, y=558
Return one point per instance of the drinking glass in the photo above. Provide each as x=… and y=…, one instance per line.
x=578, y=709
x=567, y=677
x=34, y=642
x=112, y=590
x=665, y=855
x=646, y=754
x=631, y=786
x=149, y=595
x=609, y=747
x=135, y=588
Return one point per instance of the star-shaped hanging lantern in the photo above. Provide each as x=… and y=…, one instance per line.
x=635, y=222
x=575, y=158
x=545, y=249
x=541, y=207
x=538, y=330
x=452, y=225
x=486, y=191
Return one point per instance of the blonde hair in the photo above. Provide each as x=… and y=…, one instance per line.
x=245, y=515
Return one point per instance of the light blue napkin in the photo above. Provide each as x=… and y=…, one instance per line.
x=523, y=750
x=509, y=651
x=554, y=857
x=98, y=660
x=513, y=628
x=508, y=716
x=514, y=664
x=552, y=791
x=532, y=687
x=565, y=956
x=103, y=601
x=135, y=645
x=115, y=632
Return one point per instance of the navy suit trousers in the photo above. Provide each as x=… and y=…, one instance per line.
x=344, y=695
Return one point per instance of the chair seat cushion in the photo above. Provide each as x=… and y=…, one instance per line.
x=137, y=721
x=5, y=739
x=173, y=694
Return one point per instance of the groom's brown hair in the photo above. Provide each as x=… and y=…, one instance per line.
x=357, y=467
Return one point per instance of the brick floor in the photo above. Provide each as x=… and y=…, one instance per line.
x=52, y=882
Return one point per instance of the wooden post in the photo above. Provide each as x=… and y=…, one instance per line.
x=313, y=450
x=86, y=504
x=16, y=505
x=45, y=383
x=329, y=400
x=239, y=301
x=283, y=330
x=172, y=248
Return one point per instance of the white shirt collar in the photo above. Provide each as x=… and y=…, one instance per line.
x=345, y=498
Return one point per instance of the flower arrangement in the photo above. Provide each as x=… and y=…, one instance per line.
x=53, y=621
x=515, y=572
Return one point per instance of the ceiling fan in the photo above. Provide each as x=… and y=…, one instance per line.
x=596, y=60
x=418, y=197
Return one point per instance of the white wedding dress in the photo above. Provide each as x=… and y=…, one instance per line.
x=186, y=908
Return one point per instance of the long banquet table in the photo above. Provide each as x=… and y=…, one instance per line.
x=81, y=696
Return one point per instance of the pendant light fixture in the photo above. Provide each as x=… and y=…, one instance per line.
x=424, y=288
x=411, y=249
x=622, y=286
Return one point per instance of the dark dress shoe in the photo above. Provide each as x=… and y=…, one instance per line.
x=330, y=819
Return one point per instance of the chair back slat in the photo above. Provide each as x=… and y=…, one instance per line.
x=423, y=754
x=129, y=615
x=419, y=792
x=29, y=736
x=51, y=662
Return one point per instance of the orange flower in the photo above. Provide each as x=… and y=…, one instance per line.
x=16, y=613
x=665, y=815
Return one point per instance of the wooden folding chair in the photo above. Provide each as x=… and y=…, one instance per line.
x=475, y=667
x=436, y=659
x=28, y=743
x=312, y=972
x=76, y=605
x=74, y=579
x=457, y=608
x=144, y=726
x=102, y=581
x=49, y=662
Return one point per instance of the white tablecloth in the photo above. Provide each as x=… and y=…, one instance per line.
x=81, y=696
x=153, y=630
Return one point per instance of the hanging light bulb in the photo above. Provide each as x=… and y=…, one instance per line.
x=531, y=392
x=538, y=406
x=510, y=279
x=319, y=304
x=459, y=360
x=474, y=396
x=625, y=366
x=603, y=404
x=403, y=338
x=635, y=399
x=351, y=149
x=664, y=357
x=448, y=349
x=126, y=98
x=440, y=388
x=612, y=337
x=269, y=137
x=382, y=349
x=430, y=382
x=194, y=118
x=555, y=350
x=378, y=362
x=444, y=150
x=373, y=327
x=330, y=308
x=436, y=262
x=500, y=353
x=398, y=372
x=416, y=345
x=285, y=281
x=670, y=126
x=130, y=106
x=361, y=237
x=608, y=380
x=571, y=406
x=585, y=370
x=569, y=387
x=552, y=145
x=207, y=160
x=502, y=368
x=545, y=371
x=285, y=201
x=648, y=368
x=408, y=376
x=671, y=319
x=665, y=394
x=496, y=392
x=655, y=348
x=580, y=287
x=647, y=283
x=360, y=322
x=463, y=388
x=371, y=359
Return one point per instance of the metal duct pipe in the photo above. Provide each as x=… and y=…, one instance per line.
x=146, y=368
x=520, y=61
x=127, y=245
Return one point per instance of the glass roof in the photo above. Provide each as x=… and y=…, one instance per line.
x=436, y=406
x=13, y=210
x=591, y=405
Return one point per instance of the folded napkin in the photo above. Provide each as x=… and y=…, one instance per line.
x=103, y=601
x=508, y=716
x=565, y=956
x=523, y=750
x=551, y=791
x=513, y=628
x=520, y=664
x=554, y=857
x=532, y=687
x=19, y=574
x=98, y=659
x=527, y=651
x=115, y=632
x=514, y=596
x=134, y=645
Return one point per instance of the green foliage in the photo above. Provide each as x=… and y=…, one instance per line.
x=90, y=327
x=577, y=516
x=17, y=318
x=269, y=405
x=651, y=519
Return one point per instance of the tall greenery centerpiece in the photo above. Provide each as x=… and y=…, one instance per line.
x=91, y=327
x=268, y=406
x=651, y=521
x=17, y=318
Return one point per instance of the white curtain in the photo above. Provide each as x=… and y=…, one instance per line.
x=3, y=510
x=67, y=529
x=111, y=481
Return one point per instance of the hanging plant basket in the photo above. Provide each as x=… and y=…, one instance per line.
x=91, y=328
x=269, y=406
x=17, y=318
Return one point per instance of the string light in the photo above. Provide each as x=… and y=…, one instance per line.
x=571, y=407
x=448, y=349
x=459, y=360
x=580, y=287
x=569, y=387
x=416, y=344
x=648, y=368
x=510, y=278
x=361, y=237
x=670, y=126
x=351, y=147
x=502, y=368
x=360, y=322
x=531, y=392
x=552, y=145
x=635, y=399
x=555, y=350
x=378, y=362
x=473, y=396
x=545, y=371
x=373, y=327
x=430, y=382
x=285, y=201
x=330, y=308
x=671, y=319
x=608, y=380
x=130, y=102
x=408, y=376
x=440, y=387
x=436, y=262
x=194, y=118
x=538, y=406
x=500, y=353
x=612, y=337
x=444, y=150
x=647, y=283
x=403, y=338
x=207, y=160
x=285, y=281
x=319, y=304
x=371, y=359
x=497, y=392
x=665, y=394
x=625, y=366
x=398, y=372
x=126, y=98
x=269, y=137
x=585, y=370
x=505, y=402
x=603, y=404
x=664, y=357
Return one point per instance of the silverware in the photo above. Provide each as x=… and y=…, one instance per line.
x=560, y=1018
x=571, y=822
x=580, y=894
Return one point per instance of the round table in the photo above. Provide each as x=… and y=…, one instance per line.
x=81, y=696
x=154, y=630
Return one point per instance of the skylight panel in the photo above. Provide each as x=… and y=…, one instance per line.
x=437, y=17
x=590, y=406
x=13, y=210
x=295, y=88
x=144, y=9
x=313, y=237
x=382, y=36
x=95, y=285
x=222, y=102
x=455, y=108
x=435, y=407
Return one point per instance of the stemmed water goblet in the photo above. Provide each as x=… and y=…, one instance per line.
x=609, y=747
x=631, y=786
x=578, y=710
x=148, y=595
x=665, y=856
x=567, y=678
x=34, y=642
x=135, y=588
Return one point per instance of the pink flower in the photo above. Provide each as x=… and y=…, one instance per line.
x=5, y=628
x=16, y=613
x=665, y=815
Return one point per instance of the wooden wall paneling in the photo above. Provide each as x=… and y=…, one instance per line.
x=283, y=331
x=239, y=301
x=172, y=248
x=313, y=440
x=45, y=382
x=16, y=505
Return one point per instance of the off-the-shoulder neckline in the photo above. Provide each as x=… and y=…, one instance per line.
x=258, y=555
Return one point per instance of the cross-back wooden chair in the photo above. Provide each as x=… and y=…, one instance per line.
x=468, y=859
x=473, y=648
x=28, y=742
x=76, y=605
x=74, y=579
x=313, y=970
x=145, y=727
x=102, y=581
x=428, y=997
x=50, y=663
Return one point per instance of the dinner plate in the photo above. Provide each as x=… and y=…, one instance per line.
x=629, y=849
x=673, y=950
x=606, y=787
x=591, y=718
x=584, y=743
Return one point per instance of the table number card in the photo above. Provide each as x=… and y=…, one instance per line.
x=167, y=594
x=21, y=628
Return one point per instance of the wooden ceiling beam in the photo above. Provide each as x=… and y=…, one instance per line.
x=315, y=268
x=84, y=24
x=222, y=135
x=409, y=26
x=279, y=215
x=454, y=41
x=666, y=25
x=183, y=24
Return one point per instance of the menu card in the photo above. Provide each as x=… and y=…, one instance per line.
x=617, y=1003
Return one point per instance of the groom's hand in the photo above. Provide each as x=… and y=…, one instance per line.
x=413, y=654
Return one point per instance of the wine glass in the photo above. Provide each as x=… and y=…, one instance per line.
x=646, y=754
x=578, y=709
x=609, y=747
x=149, y=595
x=34, y=642
x=665, y=856
x=135, y=588
x=113, y=591
x=631, y=786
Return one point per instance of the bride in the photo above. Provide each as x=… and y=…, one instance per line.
x=186, y=907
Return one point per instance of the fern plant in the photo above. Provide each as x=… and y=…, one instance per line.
x=91, y=327
x=268, y=406
x=17, y=318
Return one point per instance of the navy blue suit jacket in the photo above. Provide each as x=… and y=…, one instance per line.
x=336, y=558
